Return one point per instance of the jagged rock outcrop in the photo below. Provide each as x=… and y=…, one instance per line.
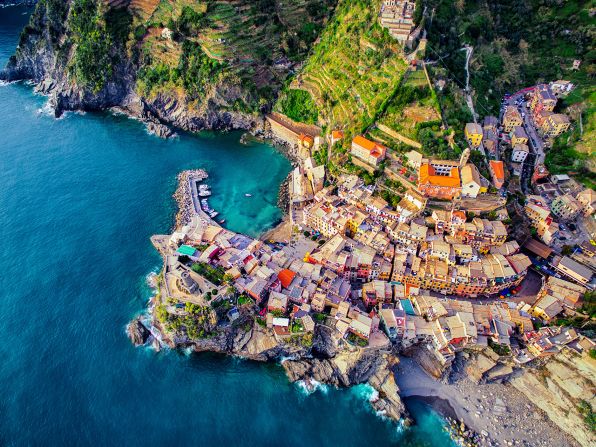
x=479, y=363
x=137, y=332
x=352, y=366
x=431, y=361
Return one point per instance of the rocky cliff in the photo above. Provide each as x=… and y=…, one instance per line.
x=191, y=65
x=327, y=359
x=565, y=389
x=563, y=386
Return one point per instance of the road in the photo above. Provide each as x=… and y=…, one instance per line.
x=535, y=142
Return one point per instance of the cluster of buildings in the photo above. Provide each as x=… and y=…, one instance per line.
x=562, y=200
x=444, y=253
x=398, y=17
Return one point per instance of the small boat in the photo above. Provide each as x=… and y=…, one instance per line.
x=213, y=213
x=247, y=195
x=222, y=221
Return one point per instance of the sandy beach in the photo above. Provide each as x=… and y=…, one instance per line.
x=496, y=410
x=280, y=233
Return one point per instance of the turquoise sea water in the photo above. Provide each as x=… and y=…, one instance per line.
x=79, y=199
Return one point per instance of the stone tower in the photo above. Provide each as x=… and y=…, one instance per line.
x=464, y=157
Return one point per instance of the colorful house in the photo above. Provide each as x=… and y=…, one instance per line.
x=497, y=171
x=370, y=152
x=432, y=183
x=473, y=133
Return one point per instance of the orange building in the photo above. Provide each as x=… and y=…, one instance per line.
x=368, y=151
x=497, y=171
x=431, y=184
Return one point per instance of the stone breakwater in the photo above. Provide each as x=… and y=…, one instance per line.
x=183, y=195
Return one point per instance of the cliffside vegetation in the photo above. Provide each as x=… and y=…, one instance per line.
x=354, y=69
x=187, y=48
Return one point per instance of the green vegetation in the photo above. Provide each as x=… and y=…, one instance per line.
x=299, y=106
x=319, y=317
x=413, y=107
x=243, y=299
x=501, y=350
x=225, y=46
x=212, y=274
x=355, y=340
x=588, y=306
x=92, y=64
x=585, y=409
x=355, y=67
x=198, y=321
x=517, y=43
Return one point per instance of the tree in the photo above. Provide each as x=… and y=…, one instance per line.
x=567, y=250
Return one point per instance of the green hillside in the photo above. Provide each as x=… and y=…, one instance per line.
x=354, y=68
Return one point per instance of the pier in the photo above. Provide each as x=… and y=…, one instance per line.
x=189, y=200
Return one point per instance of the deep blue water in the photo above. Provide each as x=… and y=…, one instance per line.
x=79, y=199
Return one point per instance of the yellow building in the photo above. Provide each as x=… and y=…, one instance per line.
x=473, y=133
x=555, y=125
x=518, y=136
x=511, y=118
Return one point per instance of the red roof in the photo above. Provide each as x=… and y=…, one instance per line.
x=286, y=277
x=498, y=169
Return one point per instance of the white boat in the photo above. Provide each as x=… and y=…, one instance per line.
x=247, y=195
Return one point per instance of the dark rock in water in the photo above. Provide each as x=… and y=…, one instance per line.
x=137, y=332
x=161, y=130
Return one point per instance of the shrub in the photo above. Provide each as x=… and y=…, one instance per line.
x=299, y=106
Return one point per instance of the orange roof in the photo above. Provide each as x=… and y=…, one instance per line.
x=286, y=277
x=368, y=145
x=307, y=140
x=427, y=175
x=497, y=169
x=460, y=214
x=337, y=134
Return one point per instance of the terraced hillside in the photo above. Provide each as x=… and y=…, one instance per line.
x=354, y=68
x=413, y=106
x=249, y=44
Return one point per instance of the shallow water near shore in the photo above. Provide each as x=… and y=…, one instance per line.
x=79, y=199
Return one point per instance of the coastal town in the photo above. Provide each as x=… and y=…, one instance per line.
x=425, y=274
x=436, y=273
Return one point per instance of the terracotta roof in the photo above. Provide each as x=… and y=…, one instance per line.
x=368, y=145
x=460, y=214
x=286, y=277
x=498, y=169
x=337, y=134
x=427, y=175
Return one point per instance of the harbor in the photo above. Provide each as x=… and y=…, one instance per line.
x=192, y=198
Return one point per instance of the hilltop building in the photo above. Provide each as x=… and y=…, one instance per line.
x=370, y=152
x=398, y=17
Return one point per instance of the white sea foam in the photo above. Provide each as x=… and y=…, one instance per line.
x=309, y=386
x=5, y=83
x=151, y=280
